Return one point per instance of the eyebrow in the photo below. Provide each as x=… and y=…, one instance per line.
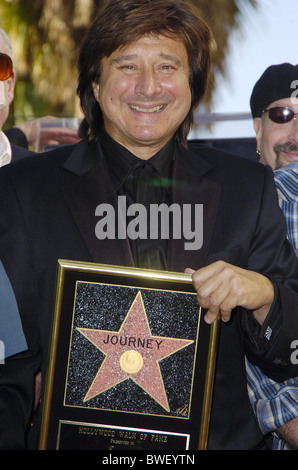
x=124, y=58
x=171, y=58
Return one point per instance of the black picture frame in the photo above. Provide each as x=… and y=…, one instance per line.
x=131, y=363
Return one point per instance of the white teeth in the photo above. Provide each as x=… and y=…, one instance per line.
x=156, y=109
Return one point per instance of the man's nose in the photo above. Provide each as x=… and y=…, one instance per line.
x=293, y=131
x=148, y=83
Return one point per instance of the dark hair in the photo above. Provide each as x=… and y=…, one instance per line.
x=120, y=23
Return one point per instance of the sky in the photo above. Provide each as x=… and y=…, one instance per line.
x=268, y=35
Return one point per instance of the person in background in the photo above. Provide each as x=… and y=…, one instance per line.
x=8, y=152
x=30, y=134
x=41, y=133
x=11, y=332
x=14, y=143
x=143, y=69
x=274, y=108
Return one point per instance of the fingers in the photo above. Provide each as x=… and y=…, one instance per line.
x=189, y=271
x=217, y=304
x=221, y=287
x=217, y=299
x=213, y=294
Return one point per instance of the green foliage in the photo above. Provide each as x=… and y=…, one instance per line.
x=46, y=34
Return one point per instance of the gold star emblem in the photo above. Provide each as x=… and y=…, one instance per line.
x=132, y=352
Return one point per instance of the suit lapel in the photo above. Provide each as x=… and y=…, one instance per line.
x=192, y=186
x=91, y=188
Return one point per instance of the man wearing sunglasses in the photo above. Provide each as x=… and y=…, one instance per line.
x=12, y=340
x=8, y=152
x=274, y=108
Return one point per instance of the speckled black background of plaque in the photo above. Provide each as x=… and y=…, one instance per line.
x=104, y=307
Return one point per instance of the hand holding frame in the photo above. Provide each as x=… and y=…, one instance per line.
x=221, y=287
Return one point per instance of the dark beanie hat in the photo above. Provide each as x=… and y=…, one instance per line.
x=274, y=84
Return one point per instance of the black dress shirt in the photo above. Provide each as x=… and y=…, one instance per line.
x=145, y=182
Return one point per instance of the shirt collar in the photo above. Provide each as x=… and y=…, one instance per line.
x=5, y=150
x=286, y=179
x=121, y=161
x=290, y=166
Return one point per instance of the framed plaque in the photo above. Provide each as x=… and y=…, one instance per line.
x=131, y=361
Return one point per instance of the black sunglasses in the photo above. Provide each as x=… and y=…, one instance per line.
x=5, y=67
x=280, y=114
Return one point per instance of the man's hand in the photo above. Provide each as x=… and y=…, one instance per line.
x=289, y=433
x=47, y=131
x=221, y=287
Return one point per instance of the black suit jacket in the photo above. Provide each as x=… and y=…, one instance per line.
x=50, y=214
x=17, y=153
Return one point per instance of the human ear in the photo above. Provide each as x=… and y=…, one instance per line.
x=257, y=123
x=95, y=87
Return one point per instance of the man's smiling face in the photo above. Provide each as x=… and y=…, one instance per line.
x=278, y=143
x=144, y=93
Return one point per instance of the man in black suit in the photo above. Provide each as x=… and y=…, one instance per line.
x=143, y=69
